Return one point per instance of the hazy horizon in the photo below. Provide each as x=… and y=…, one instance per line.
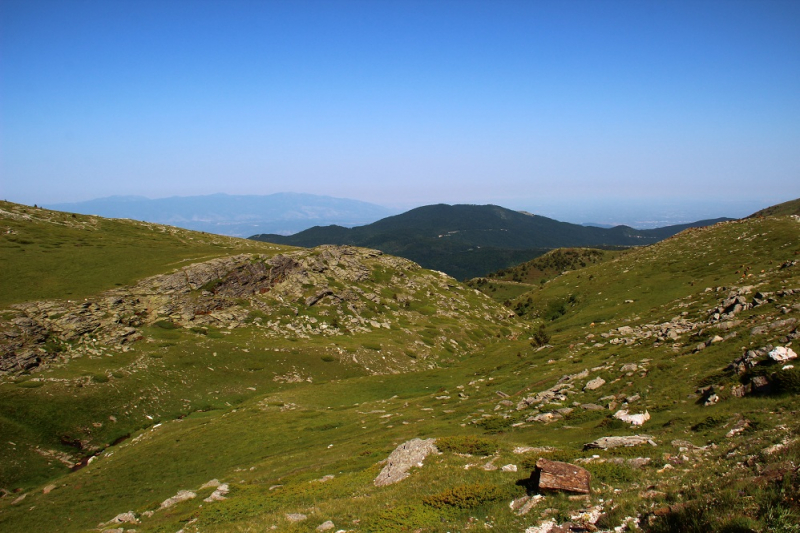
x=612, y=112
x=638, y=215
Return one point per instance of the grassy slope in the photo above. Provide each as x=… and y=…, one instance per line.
x=510, y=283
x=50, y=254
x=344, y=423
x=792, y=207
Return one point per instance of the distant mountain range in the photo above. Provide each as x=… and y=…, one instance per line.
x=237, y=216
x=466, y=241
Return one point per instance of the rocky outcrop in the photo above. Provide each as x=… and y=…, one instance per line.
x=343, y=283
x=781, y=354
x=403, y=458
x=721, y=317
x=557, y=476
x=181, y=496
x=605, y=443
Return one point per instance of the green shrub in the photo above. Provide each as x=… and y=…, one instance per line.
x=54, y=346
x=495, y=424
x=786, y=381
x=467, y=445
x=609, y=423
x=466, y=496
x=708, y=423
x=540, y=337
x=165, y=324
x=328, y=358
x=610, y=473
x=405, y=518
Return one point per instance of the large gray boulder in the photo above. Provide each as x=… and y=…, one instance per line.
x=405, y=456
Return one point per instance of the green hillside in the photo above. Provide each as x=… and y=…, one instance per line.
x=51, y=254
x=791, y=207
x=467, y=241
x=287, y=378
x=509, y=283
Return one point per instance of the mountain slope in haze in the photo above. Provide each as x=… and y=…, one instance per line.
x=235, y=215
x=472, y=240
x=285, y=420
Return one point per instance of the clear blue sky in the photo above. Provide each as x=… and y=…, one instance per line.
x=527, y=104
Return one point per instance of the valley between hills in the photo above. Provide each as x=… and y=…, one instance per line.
x=156, y=379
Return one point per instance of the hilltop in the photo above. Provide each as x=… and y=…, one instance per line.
x=791, y=207
x=466, y=241
x=264, y=390
x=513, y=281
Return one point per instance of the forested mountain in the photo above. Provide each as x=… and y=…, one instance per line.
x=472, y=240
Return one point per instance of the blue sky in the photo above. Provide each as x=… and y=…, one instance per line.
x=550, y=106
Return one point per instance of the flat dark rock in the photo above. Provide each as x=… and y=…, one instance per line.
x=555, y=475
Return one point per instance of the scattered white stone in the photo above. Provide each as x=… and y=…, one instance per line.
x=296, y=517
x=636, y=420
x=596, y=383
x=214, y=483
x=325, y=526
x=589, y=516
x=544, y=527
x=122, y=518
x=523, y=505
x=219, y=494
x=711, y=400
x=490, y=466
x=509, y=468
x=182, y=495
x=782, y=353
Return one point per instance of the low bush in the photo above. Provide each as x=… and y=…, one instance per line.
x=467, y=445
x=786, y=381
x=610, y=473
x=540, y=337
x=495, y=424
x=466, y=496
x=405, y=518
x=708, y=422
